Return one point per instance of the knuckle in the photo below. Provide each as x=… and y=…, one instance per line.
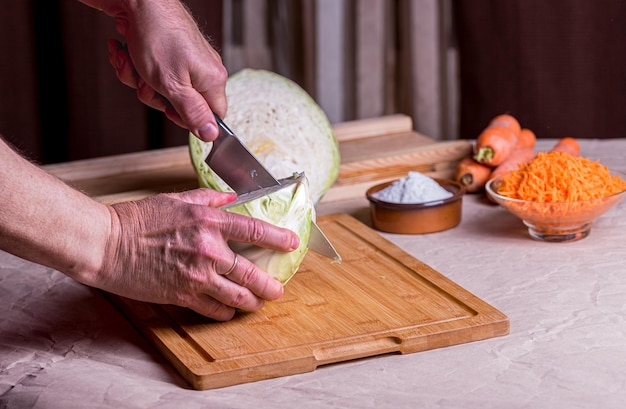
x=221, y=74
x=183, y=300
x=258, y=231
x=217, y=311
x=249, y=276
x=239, y=299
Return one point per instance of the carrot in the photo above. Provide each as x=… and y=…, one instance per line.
x=558, y=191
x=472, y=175
x=526, y=139
x=560, y=177
x=567, y=145
x=508, y=121
x=516, y=159
x=494, y=144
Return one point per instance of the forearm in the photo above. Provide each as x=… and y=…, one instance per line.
x=110, y=7
x=118, y=8
x=46, y=221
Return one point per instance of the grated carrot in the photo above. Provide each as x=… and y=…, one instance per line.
x=556, y=192
x=560, y=177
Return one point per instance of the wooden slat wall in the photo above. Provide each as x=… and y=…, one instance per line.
x=357, y=58
x=421, y=68
x=371, y=65
x=245, y=35
x=331, y=58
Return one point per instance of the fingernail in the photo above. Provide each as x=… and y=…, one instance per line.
x=282, y=288
x=295, y=242
x=208, y=132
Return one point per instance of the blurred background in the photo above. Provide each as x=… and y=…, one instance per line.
x=452, y=65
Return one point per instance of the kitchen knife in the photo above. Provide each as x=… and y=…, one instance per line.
x=235, y=164
x=318, y=241
x=264, y=191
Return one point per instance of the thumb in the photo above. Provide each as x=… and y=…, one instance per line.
x=196, y=115
x=205, y=197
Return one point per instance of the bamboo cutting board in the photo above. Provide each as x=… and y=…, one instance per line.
x=379, y=300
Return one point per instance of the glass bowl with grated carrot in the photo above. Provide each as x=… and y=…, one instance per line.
x=557, y=195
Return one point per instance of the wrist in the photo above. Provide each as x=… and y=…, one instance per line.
x=116, y=254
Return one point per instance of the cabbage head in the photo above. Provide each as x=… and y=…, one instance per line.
x=289, y=134
x=283, y=127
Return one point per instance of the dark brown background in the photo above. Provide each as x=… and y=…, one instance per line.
x=558, y=65
x=59, y=97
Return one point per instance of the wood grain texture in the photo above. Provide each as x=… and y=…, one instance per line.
x=379, y=300
x=372, y=151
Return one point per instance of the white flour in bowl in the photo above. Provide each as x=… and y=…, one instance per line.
x=415, y=188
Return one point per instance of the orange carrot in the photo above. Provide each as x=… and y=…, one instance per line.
x=508, y=121
x=526, y=139
x=472, y=175
x=516, y=159
x=560, y=177
x=494, y=144
x=559, y=190
x=567, y=145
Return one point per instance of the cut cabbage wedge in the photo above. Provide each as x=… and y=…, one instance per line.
x=288, y=133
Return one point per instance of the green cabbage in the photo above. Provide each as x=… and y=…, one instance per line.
x=284, y=128
x=290, y=134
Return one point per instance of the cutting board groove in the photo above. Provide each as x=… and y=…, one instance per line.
x=379, y=300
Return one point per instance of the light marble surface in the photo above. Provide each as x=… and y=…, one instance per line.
x=63, y=345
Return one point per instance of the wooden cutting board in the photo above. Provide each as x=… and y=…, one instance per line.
x=372, y=151
x=379, y=300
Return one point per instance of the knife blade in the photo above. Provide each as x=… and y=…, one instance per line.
x=264, y=191
x=235, y=164
x=319, y=243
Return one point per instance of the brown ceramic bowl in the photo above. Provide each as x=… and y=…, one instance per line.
x=417, y=218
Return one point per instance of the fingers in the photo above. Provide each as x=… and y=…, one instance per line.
x=206, y=197
x=126, y=73
x=249, y=230
x=189, y=107
x=242, y=286
x=249, y=276
x=212, y=308
x=232, y=268
x=246, y=230
x=195, y=101
x=120, y=60
x=239, y=227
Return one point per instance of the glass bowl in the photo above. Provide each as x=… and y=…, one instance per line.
x=555, y=221
x=417, y=218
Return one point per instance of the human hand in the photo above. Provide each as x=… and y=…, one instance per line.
x=171, y=64
x=172, y=249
